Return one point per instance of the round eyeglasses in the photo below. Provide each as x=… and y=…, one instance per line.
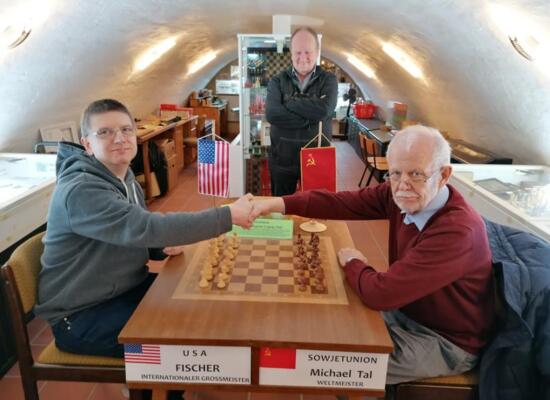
x=109, y=133
x=412, y=176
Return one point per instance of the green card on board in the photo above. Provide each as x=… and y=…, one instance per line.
x=278, y=229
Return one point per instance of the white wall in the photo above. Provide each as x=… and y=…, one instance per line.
x=476, y=86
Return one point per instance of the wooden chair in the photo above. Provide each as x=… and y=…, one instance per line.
x=455, y=387
x=371, y=158
x=21, y=278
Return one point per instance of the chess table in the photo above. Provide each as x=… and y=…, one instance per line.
x=175, y=311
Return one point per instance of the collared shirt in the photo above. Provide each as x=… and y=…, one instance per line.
x=421, y=218
x=303, y=83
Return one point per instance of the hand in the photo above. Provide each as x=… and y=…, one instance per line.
x=173, y=250
x=346, y=253
x=264, y=207
x=241, y=210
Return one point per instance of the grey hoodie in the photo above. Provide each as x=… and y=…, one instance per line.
x=99, y=232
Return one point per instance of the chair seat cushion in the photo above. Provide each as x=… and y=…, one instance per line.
x=52, y=355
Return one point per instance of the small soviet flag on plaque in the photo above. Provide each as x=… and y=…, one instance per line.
x=318, y=167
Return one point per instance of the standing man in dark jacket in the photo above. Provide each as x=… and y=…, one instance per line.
x=297, y=100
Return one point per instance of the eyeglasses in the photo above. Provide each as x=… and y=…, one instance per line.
x=109, y=133
x=413, y=176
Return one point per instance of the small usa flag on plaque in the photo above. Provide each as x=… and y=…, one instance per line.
x=142, y=353
x=213, y=167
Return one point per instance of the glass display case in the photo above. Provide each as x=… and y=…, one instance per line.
x=260, y=57
x=26, y=185
x=515, y=195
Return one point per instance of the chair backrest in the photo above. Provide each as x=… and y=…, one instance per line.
x=20, y=274
x=25, y=266
x=370, y=146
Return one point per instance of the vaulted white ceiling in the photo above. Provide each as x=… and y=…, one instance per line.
x=475, y=86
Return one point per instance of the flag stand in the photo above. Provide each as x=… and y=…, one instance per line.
x=212, y=134
x=313, y=226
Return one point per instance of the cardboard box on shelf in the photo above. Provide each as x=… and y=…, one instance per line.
x=167, y=147
x=155, y=190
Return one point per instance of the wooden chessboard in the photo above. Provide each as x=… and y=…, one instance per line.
x=265, y=270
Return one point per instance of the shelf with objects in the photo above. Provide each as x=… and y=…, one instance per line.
x=514, y=195
x=211, y=107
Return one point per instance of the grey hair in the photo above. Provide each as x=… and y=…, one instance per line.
x=305, y=29
x=100, y=107
x=441, y=151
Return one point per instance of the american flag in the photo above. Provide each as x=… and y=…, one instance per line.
x=213, y=167
x=142, y=353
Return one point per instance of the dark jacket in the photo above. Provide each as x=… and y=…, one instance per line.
x=294, y=115
x=516, y=365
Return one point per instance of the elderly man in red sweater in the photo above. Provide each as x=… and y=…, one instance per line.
x=437, y=294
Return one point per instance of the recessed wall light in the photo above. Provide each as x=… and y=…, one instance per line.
x=153, y=54
x=201, y=62
x=361, y=66
x=404, y=60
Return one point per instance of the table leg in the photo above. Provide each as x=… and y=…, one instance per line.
x=160, y=394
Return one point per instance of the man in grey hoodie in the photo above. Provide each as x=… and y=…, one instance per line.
x=100, y=235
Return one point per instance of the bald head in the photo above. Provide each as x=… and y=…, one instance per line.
x=425, y=142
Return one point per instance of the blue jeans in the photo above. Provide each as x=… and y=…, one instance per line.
x=95, y=330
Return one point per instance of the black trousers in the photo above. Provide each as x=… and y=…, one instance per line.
x=95, y=330
x=283, y=182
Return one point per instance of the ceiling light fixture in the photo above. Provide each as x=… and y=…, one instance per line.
x=153, y=54
x=13, y=36
x=529, y=39
x=403, y=59
x=361, y=66
x=17, y=22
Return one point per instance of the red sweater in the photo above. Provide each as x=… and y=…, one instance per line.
x=440, y=277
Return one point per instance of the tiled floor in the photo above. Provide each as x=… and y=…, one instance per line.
x=369, y=236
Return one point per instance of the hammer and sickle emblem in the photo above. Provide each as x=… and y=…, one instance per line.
x=310, y=160
x=267, y=352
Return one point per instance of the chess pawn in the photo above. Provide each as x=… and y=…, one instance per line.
x=207, y=275
x=221, y=284
x=222, y=276
x=203, y=283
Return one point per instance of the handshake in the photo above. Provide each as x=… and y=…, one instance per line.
x=245, y=210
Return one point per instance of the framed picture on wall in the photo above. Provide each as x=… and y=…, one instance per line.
x=65, y=131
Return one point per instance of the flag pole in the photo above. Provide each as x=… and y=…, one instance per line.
x=312, y=225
